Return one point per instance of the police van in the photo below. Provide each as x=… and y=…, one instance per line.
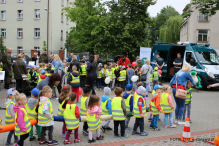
x=207, y=59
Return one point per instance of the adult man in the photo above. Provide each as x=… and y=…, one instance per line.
x=177, y=63
x=6, y=59
x=123, y=61
x=70, y=57
x=44, y=57
x=159, y=63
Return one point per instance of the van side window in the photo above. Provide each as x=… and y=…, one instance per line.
x=189, y=56
x=163, y=54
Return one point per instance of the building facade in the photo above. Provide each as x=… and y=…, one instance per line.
x=23, y=24
x=201, y=28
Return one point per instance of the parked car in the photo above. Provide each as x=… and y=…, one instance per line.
x=14, y=58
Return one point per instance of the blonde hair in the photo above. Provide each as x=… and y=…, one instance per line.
x=147, y=61
x=165, y=87
x=185, y=67
x=35, y=54
x=51, y=55
x=18, y=97
x=74, y=58
x=56, y=57
x=45, y=89
x=137, y=57
x=74, y=67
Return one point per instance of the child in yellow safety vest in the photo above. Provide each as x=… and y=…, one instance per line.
x=45, y=115
x=83, y=74
x=188, y=101
x=155, y=107
x=99, y=76
x=71, y=116
x=156, y=76
x=22, y=121
x=93, y=118
x=167, y=106
x=10, y=114
x=31, y=110
x=113, y=68
x=119, y=112
x=106, y=107
x=42, y=76
x=122, y=77
x=63, y=99
x=109, y=74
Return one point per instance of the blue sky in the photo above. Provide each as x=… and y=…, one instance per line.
x=179, y=5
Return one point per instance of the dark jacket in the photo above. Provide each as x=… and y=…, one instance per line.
x=77, y=64
x=19, y=67
x=75, y=74
x=7, y=62
x=44, y=58
x=91, y=69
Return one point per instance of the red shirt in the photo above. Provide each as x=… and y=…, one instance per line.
x=124, y=63
x=179, y=87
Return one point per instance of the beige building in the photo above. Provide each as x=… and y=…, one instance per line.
x=23, y=24
x=201, y=28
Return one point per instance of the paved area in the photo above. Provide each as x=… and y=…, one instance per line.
x=204, y=116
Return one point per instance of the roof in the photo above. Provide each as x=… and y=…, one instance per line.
x=184, y=22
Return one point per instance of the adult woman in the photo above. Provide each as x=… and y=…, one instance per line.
x=19, y=68
x=34, y=58
x=76, y=63
x=182, y=77
x=58, y=65
x=147, y=69
x=52, y=61
x=53, y=81
x=91, y=73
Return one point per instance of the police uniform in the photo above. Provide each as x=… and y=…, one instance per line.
x=7, y=62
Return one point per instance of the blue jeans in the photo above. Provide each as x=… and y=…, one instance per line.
x=166, y=118
x=10, y=136
x=147, y=88
x=154, y=121
x=98, y=83
x=123, y=85
x=130, y=81
x=180, y=104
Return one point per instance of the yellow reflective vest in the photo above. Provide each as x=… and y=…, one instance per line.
x=189, y=97
x=117, y=110
x=113, y=72
x=83, y=110
x=92, y=122
x=83, y=70
x=122, y=76
x=105, y=111
x=60, y=109
x=136, y=109
x=31, y=112
x=154, y=110
x=109, y=74
x=70, y=119
x=8, y=117
x=99, y=75
x=127, y=102
x=42, y=118
x=166, y=108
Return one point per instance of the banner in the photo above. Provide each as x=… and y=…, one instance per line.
x=145, y=53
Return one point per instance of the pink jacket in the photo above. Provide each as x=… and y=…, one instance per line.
x=95, y=110
x=144, y=97
x=20, y=117
x=170, y=101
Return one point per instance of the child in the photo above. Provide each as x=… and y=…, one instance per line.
x=167, y=106
x=63, y=99
x=30, y=75
x=45, y=115
x=10, y=114
x=84, y=105
x=119, y=112
x=136, y=92
x=155, y=76
x=188, y=101
x=42, y=76
x=84, y=73
x=128, y=98
x=155, y=107
x=136, y=70
x=106, y=107
x=99, y=76
x=71, y=116
x=113, y=73
x=140, y=112
x=130, y=73
x=31, y=109
x=109, y=74
x=74, y=81
x=93, y=118
x=22, y=121
x=122, y=77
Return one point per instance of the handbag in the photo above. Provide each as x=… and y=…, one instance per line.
x=180, y=93
x=143, y=77
x=24, y=77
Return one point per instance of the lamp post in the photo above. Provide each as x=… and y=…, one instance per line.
x=51, y=29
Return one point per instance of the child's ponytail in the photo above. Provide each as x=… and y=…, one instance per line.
x=72, y=97
x=39, y=95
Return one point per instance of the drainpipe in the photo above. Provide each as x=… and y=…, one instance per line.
x=47, y=28
x=187, y=30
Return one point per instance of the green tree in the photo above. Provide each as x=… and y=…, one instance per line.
x=2, y=47
x=44, y=45
x=160, y=20
x=171, y=31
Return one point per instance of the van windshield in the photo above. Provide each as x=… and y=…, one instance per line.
x=210, y=58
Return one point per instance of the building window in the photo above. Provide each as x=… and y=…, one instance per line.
x=3, y=15
x=66, y=33
x=19, y=50
x=20, y=32
x=61, y=17
x=202, y=35
x=20, y=14
x=3, y=1
x=61, y=35
x=67, y=3
x=36, y=32
x=20, y=1
x=37, y=13
x=203, y=17
x=189, y=56
x=3, y=32
x=62, y=2
x=37, y=48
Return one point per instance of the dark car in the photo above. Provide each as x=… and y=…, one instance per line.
x=14, y=58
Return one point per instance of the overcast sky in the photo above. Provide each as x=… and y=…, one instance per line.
x=179, y=5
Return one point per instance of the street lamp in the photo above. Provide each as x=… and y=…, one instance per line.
x=51, y=28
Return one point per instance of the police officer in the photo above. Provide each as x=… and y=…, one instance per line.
x=44, y=57
x=177, y=63
x=6, y=59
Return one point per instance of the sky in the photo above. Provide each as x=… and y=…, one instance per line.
x=179, y=5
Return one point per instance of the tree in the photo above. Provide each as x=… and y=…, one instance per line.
x=2, y=47
x=44, y=45
x=171, y=31
x=160, y=20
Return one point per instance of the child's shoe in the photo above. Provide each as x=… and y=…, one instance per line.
x=172, y=126
x=115, y=136
x=165, y=126
x=100, y=137
x=181, y=122
x=151, y=126
x=103, y=129
x=54, y=142
x=176, y=121
x=77, y=140
x=159, y=120
x=32, y=138
x=149, y=120
x=156, y=129
x=90, y=141
x=43, y=143
x=109, y=129
x=135, y=132
x=63, y=135
x=125, y=136
x=144, y=134
x=16, y=144
x=85, y=132
x=127, y=128
x=67, y=142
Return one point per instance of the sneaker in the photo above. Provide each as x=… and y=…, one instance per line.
x=127, y=128
x=156, y=129
x=172, y=126
x=125, y=135
x=90, y=141
x=109, y=129
x=115, y=136
x=144, y=134
x=151, y=126
x=165, y=126
x=67, y=142
x=100, y=137
x=103, y=129
x=85, y=132
x=15, y=144
x=43, y=143
x=32, y=138
x=176, y=121
x=77, y=140
x=181, y=122
x=54, y=142
x=135, y=132
x=63, y=135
